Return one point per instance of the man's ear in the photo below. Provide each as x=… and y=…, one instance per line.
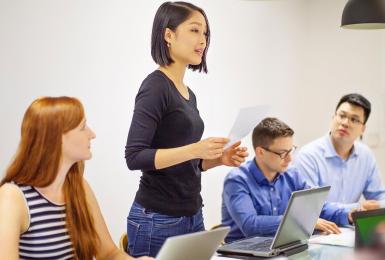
x=362, y=131
x=259, y=151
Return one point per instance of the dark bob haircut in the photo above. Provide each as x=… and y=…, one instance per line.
x=171, y=15
x=359, y=101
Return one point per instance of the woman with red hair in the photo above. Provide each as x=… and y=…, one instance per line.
x=47, y=208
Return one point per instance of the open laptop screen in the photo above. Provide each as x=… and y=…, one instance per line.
x=193, y=246
x=294, y=230
x=301, y=216
x=370, y=226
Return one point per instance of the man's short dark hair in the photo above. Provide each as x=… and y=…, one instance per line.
x=268, y=130
x=359, y=101
x=171, y=15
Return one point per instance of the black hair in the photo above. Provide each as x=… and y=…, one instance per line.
x=357, y=100
x=171, y=15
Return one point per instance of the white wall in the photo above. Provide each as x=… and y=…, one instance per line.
x=380, y=150
x=290, y=54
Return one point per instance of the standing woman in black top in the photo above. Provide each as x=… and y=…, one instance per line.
x=165, y=132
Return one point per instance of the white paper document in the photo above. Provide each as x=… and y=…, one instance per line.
x=247, y=119
x=346, y=238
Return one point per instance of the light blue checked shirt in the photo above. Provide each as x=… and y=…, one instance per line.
x=320, y=164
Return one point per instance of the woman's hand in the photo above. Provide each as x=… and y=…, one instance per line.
x=234, y=155
x=210, y=148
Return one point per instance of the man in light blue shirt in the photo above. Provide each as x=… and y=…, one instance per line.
x=256, y=194
x=341, y=161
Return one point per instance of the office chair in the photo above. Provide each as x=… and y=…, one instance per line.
x=216, y=226
x=123, y=242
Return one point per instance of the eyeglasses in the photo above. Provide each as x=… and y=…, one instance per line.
x=284, y=154
x=354, y=120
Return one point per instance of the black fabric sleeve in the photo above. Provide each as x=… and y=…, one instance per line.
x=200, y=165
x=150, y=104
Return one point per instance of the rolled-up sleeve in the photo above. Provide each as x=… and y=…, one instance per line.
x=374, y=188
x=336, y=214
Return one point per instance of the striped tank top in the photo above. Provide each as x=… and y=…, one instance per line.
x=47, y=235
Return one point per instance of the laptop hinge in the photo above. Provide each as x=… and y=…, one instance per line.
x=294, y=250
x=290, y=246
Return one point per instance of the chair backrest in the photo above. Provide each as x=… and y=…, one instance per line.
x=216, y=226
x=123, y=242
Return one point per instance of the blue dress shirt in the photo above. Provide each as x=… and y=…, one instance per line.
x=253, y=206
x=320, y=164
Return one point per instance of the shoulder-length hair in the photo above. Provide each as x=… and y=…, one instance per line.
x=171, y=15
x=37, y=160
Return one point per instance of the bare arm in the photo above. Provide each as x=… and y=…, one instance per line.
x=210, y=149
x=233, y=156
x=13, y=220
x=107, y=248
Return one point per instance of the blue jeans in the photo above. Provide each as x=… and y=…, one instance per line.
x=148, y=230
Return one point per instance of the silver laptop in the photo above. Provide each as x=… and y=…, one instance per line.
x=194, y=246
x=295, y=229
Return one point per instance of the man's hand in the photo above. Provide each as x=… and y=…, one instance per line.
x=327, y=227
x=370, y=204
x=350, y=217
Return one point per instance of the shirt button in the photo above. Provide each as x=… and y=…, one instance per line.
x=272, y=189
x=275, y=209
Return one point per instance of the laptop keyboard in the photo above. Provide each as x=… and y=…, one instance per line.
x=262, y=246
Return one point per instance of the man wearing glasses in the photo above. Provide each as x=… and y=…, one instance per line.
x=256, y=194
x=342, y=162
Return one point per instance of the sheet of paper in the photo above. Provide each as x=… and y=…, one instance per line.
x=346, y=238
x=247, y=119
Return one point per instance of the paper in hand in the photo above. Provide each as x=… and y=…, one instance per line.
x=247, y=119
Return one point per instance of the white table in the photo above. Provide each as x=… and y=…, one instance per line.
x=315, y=251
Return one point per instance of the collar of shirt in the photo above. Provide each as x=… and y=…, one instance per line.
x=258, y=175
x=330, y=151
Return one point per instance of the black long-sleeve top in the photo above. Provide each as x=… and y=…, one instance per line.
x=163, y=119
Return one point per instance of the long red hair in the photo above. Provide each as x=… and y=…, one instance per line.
x=37, y=160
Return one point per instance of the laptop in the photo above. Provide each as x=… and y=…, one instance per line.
x=370, y=228
x=194, y=246
x=295, y=229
